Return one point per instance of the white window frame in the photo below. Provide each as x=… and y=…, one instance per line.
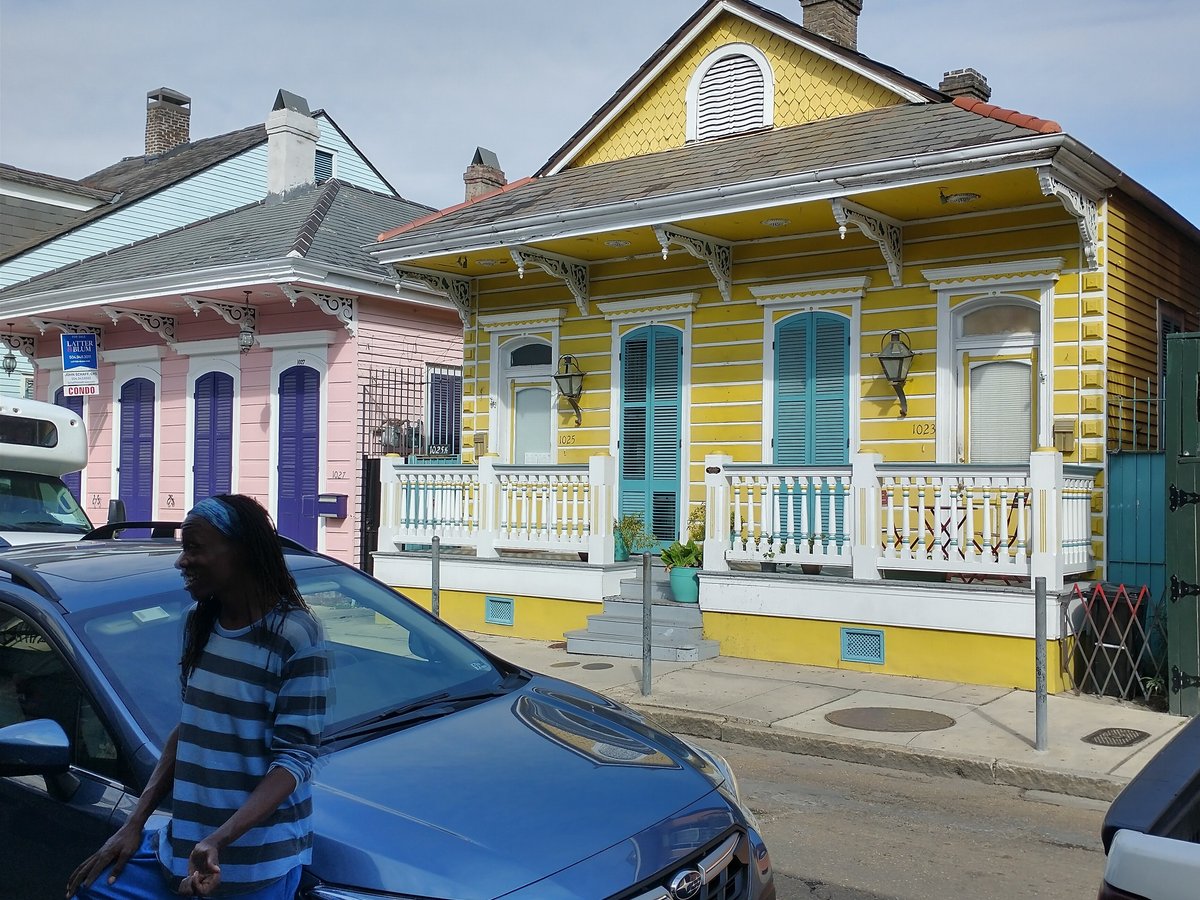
x=54, y=381
x=215, y=357
x=136, y=362
x=507, y=332
x=724, y=52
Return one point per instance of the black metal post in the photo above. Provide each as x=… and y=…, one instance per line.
x=436, y=583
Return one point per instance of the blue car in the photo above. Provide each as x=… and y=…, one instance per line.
x=452, y=774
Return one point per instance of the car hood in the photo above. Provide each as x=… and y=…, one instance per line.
x=492, y=798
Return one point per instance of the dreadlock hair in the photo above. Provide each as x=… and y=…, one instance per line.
x=260, y=558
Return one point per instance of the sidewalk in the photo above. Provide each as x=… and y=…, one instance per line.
x=779, y=706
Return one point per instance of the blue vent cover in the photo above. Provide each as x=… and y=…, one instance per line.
x=862, y=645
x=498, y=610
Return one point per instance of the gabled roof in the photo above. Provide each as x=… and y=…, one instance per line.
x=903, y=85
x=327, y=224
x=52, y=183
x=806, y=156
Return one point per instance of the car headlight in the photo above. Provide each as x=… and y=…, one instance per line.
x=328, y=892
x=721, y=773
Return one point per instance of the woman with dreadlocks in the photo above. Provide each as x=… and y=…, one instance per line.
x=238, y=766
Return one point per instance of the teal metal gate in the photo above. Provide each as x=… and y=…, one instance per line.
x=1137, y=521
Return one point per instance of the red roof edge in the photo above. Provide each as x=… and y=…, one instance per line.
x=1033, y=123
x=424, y=220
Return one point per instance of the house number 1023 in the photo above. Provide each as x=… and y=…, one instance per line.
x=923, y=429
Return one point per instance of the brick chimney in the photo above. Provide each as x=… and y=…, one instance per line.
x=292, y=135
x=483, y=175
x=965, y=83
x=168, y=120
x=834, y=19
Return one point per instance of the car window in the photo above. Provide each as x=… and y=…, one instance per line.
x=36, y=683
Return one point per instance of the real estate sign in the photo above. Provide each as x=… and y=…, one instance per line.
x=80, y=360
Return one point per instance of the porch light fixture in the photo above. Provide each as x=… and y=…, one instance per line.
x=895, y=356
x=569, y=379
x=9, y=363
x=245, y=333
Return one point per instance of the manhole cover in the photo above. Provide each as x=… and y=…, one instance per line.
x=563, y=665
x=559, y=645
x=887, y=718
x=1116, y=737
x=597, y=665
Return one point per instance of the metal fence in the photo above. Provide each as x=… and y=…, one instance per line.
x=411, y=411
x=1117, y=643
x=1134, y=421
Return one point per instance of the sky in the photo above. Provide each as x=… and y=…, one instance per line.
x=418, y=84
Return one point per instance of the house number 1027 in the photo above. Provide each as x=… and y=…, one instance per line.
x=338, y=475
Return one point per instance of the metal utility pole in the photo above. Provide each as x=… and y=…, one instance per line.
x=1039, y=631
x=647, y=620
x=436, y=583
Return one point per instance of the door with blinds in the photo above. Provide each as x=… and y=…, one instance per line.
x=212, y=436
x=135, y=472
x=812, y=422
x=299, y=453
x=999, y=409
x=651, y=423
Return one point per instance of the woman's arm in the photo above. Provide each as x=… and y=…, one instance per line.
x=121, y=846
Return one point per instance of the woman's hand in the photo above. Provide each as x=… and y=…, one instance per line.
x=116, y=852
x=204, y=870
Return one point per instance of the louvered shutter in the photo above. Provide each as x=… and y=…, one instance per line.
x=323, y=166
x=212, y=450
x=135, y=481
x=299, y=453
x=730, y=98
x=651, y=416
x=75, y=404
x=791, y=392
x=445, y=413
x=1001, y=411
x=812, y=390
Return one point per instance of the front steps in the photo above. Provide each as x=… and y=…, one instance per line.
x=676, y=629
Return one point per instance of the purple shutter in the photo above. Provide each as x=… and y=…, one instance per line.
x=212, y=469
x=299, y=453
x=135, y=481
x=75, y=405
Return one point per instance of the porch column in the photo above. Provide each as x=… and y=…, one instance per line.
x=489, y=507
x=602, y=484
x=864, y=486
x=716, y=509
x=1045, y=486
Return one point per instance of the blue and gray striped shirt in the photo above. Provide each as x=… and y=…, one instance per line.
x=255, y=701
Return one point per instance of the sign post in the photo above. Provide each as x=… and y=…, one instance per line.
x=80, y=362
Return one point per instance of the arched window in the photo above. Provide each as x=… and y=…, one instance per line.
x=732, y=91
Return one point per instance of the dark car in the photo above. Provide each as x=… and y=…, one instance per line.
x=451, y=773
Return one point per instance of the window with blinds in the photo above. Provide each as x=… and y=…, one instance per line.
x=1000, y=427
x=731, y=98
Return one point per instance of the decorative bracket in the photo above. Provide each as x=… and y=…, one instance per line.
x=457, y=290
x=21, y=343
x=340, y=307
x=163, y=326
x=717, y=253
x=883, y=230
x=241, y=316
x=573, y=271
x=43, y=325
x=1078, y=204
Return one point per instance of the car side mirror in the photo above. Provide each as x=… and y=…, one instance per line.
x=38, y=747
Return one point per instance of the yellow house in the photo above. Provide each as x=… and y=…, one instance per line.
x=864, y=334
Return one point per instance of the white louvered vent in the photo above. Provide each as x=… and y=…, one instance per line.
x=730, y=98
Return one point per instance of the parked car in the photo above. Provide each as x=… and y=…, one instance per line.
x=451, y=773
x=1151, y=833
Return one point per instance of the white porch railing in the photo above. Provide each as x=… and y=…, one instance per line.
x=1019, y=522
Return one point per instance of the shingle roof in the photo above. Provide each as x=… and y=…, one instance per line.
x=894, y=132
x=52, y=182
x=328, y=224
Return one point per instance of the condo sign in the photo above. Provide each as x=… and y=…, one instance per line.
x=80, y=359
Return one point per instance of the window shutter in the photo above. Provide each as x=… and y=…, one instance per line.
x=831, y=391
x=664, y=433
x=445, y=412
x=136, y=479
x=323, y=166
x=1001, y=424
x=650, y=428
x=299, y=453
x=635, y=359
x=812, y=390
x=791, y=392
x=212, y=448
x=730, y=98
x=75, y=404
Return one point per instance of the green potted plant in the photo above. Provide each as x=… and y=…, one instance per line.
x=683, y=562
x=630, y=536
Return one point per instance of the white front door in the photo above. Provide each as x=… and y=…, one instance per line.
x=531, y=425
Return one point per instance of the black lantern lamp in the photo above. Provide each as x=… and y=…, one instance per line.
x=246, y=333
x=9, y=363
x=895, y=356
x=569, y=379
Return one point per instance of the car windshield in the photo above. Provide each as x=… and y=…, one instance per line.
x=34, y=503
x=386, y=653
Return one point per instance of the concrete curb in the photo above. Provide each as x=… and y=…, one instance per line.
x=888, y=756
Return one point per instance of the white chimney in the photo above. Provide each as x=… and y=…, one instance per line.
x=291, y=144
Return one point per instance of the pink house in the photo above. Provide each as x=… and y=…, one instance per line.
x=261, y=350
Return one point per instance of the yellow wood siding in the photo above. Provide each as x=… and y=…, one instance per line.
x=808, y=87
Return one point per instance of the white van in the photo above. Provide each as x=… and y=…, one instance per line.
x=39, y=443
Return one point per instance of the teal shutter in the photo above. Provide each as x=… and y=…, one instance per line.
x=812, y=390
x=651, y=420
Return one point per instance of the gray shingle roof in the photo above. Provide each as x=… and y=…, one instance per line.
x=895, y=132
x=52, y=182
x=328, y=224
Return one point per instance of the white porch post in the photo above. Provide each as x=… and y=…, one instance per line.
x=489, y=507
x=1046, y=486
x=602, y=484
x=716, y=518
x=864, y=485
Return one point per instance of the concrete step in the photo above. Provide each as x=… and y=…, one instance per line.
x=662, y=612
x=624, y=626
x=689, y=651
x=660, y=587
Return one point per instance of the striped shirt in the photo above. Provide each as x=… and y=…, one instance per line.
x=255, y=701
